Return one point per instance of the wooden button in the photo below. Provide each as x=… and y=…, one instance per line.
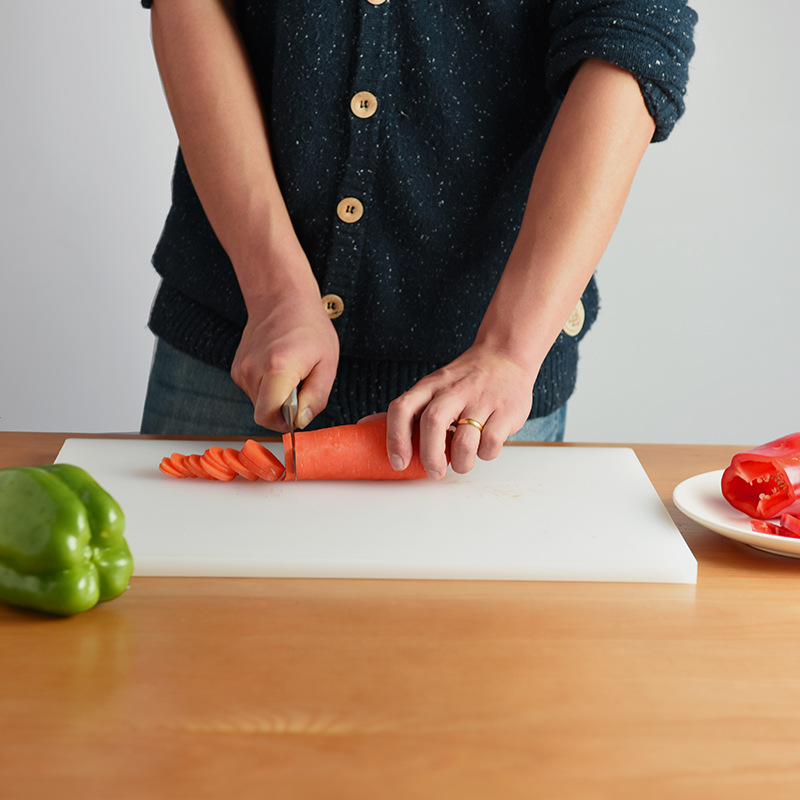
x=334, y=305
x=576, y=319
x=350, y=209
x=376, y=2
x=364, y=104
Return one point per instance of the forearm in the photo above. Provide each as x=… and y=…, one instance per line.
x=217, y=114
x=576, y=198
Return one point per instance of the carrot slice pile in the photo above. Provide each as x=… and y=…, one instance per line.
x=254, y=461
x=347, y=452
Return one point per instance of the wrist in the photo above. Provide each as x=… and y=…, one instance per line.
x=525, y=350
x=271, y=268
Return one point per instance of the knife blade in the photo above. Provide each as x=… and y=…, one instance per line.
x=289, y=410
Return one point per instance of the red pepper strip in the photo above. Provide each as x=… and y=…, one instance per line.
x=759, y=526
x=790, y=531
x=765, y=481
x=791, y=523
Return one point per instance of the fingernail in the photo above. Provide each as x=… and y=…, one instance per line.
x=303, y=418
x=434, y=475
x=397, y=462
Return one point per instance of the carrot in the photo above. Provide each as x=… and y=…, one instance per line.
x=216, y=469
x=344, y=452
x=194, y=465
x=214, y=455
x=221, y=465
x=168, y=468
x=261, y=461
x=231, y=458
x=347, y=452
x=178, y=462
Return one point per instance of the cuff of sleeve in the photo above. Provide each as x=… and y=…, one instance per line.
x=655, y=52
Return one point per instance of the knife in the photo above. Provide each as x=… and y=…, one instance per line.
x=289, y=410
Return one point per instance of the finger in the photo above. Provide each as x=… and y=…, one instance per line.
x=493, y=437
x=314, y=393
x=401, y=418
x=272, y=393
x=372, y=417
x=434, y=433
x=465, y=443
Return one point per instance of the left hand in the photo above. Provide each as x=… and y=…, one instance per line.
x=482, y=384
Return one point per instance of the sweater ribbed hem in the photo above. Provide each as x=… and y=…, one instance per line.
x=362, y=386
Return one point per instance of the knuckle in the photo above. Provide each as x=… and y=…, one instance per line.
x=490, y=447
x=401, y=405
x=276, y=362
x=243, y=377
x=435, y=417
x=261, y=418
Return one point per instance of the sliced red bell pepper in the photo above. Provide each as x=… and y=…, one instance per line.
x=791, y=523
x=765, y=481
x=789, y=526
x=760, y=526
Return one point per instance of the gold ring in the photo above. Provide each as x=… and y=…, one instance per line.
x=469, y=421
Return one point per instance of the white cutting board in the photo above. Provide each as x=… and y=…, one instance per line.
x=535, y=513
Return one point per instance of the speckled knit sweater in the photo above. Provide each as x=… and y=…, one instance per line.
x=465, y=93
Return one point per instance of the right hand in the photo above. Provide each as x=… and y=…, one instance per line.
x=287, y=340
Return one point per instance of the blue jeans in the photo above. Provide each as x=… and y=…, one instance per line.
x=186, y=397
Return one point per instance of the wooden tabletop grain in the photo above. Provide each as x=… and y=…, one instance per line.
x=240, y=688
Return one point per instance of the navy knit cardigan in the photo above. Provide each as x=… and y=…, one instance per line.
x=466, y=94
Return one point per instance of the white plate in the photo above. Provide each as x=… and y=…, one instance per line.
x=700, y=498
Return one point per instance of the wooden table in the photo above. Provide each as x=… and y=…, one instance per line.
x=239, y=688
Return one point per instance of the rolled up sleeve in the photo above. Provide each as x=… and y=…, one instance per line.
x=654, y=41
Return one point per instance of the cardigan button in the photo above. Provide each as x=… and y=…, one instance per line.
x=576, y=319
x=364, y=104
x=334, y=305
x=376, y=2
x=350, y=209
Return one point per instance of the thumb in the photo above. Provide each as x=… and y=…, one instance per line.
x=313, y=395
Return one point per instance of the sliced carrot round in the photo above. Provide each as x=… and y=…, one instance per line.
x=168, y=468
x=213, y=470
x=261, y=461
x=178, y=461
x=195, y=465
x=217, y=469
x=215, y=454
x=231, y=456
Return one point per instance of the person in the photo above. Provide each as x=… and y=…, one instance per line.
x=398, y=207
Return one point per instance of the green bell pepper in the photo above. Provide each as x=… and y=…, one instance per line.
x=62, y=548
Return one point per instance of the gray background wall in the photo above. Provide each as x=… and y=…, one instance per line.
x=698, y=337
